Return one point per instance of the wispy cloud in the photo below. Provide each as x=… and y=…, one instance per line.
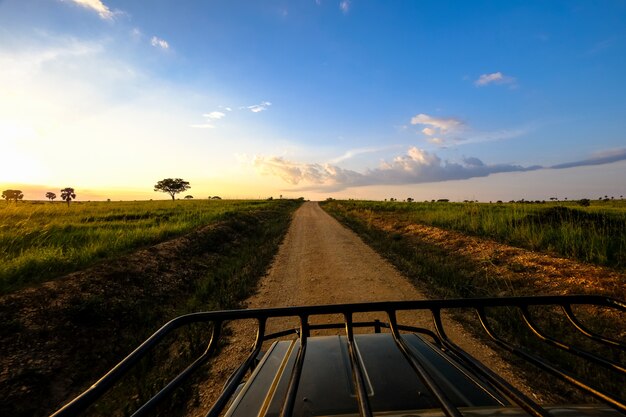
x=360, y=151
x=448, y=131
x=601, y=158
x=216, y=115
x=344, y=6
x=435, y=124
x=97, y=6
x=257, y=108
x=159, y=43
x=414, y=167
x=494, y=78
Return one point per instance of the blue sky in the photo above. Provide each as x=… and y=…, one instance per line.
x=352, y=99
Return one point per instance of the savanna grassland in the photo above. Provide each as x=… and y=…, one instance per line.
x=461, y=250
x=83, y=285
x=41, y=241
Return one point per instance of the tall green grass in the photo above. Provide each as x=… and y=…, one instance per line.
x=40, y=241
x=595, y=234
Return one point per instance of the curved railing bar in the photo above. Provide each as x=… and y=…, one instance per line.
x=237, y=376
x=565, y=347
x=446, y=405
x=501, y=384
x=609, y=399
x=569, y=313
x=165, y=391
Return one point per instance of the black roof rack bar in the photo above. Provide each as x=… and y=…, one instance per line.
x=365, y=410
x=296, y=372
x=236, y=378
x=376, y=324
x=607, y=398
x=90, y=395
x=568, y=348
x=446, y=405
x=567, y=308
x=165, y=391
x=528, y=405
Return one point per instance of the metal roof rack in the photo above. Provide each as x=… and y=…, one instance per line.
x=439, y=337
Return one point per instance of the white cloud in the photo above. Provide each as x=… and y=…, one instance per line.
x=159, y=43
x=257, y=108
x=414, y=167
x=344, y=6
x=216, y=115
x=441, y=124
x=96, y=5
x=494, y=78
x=443, y=131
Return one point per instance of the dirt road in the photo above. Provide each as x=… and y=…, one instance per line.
x=322, y=262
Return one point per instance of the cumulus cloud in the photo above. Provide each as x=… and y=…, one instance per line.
x=494, y=78
x=257, y=108
x=97, y=6
x=159, y=43
x=294, y=173
x=344, y=6
x=215, y=115
x=414, y=167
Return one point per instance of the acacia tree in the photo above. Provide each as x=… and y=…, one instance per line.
x=12, y=195
x=51, y=196
x=68, y=195
x=172, y=186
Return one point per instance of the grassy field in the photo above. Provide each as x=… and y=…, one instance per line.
x=41, y=241
x=594, y=234
x=82, y=326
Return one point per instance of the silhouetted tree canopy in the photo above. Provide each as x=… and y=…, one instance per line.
x=50, y=195
x=12, y=195
x=172, y=186
x=68, y=194
x=188, y=197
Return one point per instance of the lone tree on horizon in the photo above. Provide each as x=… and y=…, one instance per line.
x=12, y=195
x=172, y=186
x=68, y=195
x=51, y=196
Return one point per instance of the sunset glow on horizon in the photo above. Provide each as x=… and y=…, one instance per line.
x=351, y=99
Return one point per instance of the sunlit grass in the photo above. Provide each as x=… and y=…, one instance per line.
x=594, y=234
x=40, y=241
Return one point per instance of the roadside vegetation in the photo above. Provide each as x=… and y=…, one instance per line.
x=81, y=325
x=42, y=241
x=443, y=267
x=594, y=233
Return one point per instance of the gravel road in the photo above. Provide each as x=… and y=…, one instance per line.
x=322, y=262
